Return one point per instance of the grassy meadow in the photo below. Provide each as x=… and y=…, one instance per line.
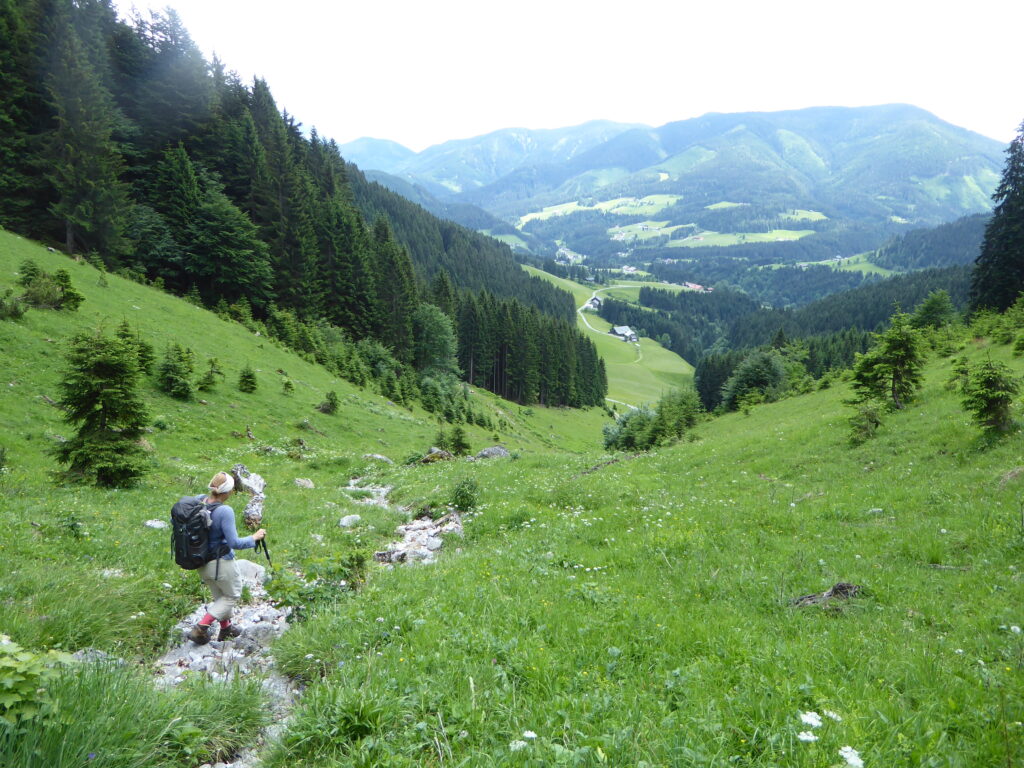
x=635, y=611
x=600, y=610
x=637, y=373
x=708, y=237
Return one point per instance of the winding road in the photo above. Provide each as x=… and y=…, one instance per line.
x=583, y=316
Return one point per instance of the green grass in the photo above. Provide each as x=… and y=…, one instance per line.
x=738, y=238
x=636, y=374
x=513, y=241
x=799, y=214
x=640, y=614
x=622, y=206
x=123, y=567
x=644, y=230
x=859, y=263
x=599, y=610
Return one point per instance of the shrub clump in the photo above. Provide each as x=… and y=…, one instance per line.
x=330, y=403
x=465, y=494
x=46, y=291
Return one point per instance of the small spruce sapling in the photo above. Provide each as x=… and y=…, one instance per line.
x=247, y=379
x=175, y=374
x=988, y=396
x=459, y=442
x=209, y=379
x=287, y=388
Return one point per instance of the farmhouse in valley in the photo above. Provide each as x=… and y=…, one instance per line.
x=624, y=332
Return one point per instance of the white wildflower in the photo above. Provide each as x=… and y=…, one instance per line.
x=1015, y=629
x=812, y=719
x=529, y=735
x=833, y=715
x=806, y=736
x=959, y=650
x=518, y=744
x=852, y=758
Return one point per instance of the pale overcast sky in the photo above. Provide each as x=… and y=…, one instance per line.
x=420, y=73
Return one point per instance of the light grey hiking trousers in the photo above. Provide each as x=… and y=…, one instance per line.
x=226, y=587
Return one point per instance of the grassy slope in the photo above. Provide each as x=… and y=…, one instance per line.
x=74, y=607
x=639, y=614
x=635, y=374
x=632, y=615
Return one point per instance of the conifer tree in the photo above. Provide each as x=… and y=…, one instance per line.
x=99, y=396
x=396, y=292
x=459, y=444
x=247, y=380
x=988, y=395
x=998, y=276
x=84, y=161
x=891, y=370
x=175, y=374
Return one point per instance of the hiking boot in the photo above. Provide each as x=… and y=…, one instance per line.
x=200, y=634
x=229, y=632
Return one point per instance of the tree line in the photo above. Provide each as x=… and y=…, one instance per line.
x=121, y=142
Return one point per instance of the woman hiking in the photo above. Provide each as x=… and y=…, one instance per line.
x=221, y=574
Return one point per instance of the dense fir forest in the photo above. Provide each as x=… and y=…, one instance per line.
x=121, y=143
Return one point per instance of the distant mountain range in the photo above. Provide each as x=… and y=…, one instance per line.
x=874, y=169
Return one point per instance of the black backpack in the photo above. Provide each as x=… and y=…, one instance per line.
x=190, y=532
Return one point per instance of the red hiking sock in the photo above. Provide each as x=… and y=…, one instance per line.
x=208, y=620
x=225, y=623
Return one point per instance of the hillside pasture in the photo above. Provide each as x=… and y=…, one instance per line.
x=619, y=206
x=637, y=373
x=800, y=214
x=708, y=238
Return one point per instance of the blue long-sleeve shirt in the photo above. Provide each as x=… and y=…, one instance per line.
x=223, y=534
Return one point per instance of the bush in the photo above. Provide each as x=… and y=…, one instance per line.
x=464, y=494
x=12, y=307
x=865, y=423
x=330, y=403
x=24, y=678
x=46, y=291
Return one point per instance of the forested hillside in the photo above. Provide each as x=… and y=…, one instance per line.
x=957, y=242
x=124, y=145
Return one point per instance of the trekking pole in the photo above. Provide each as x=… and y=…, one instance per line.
x=262, y=544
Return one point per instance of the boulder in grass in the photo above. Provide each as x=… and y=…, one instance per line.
x=251, y=572
x=436, y=454
x=378, y=457
x=494, y=452
x=349, y=521
x=304, y=482
x=156, y=524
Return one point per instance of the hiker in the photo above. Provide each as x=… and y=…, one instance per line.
x=220, y=574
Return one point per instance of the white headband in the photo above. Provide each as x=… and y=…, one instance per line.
x=227, y=485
